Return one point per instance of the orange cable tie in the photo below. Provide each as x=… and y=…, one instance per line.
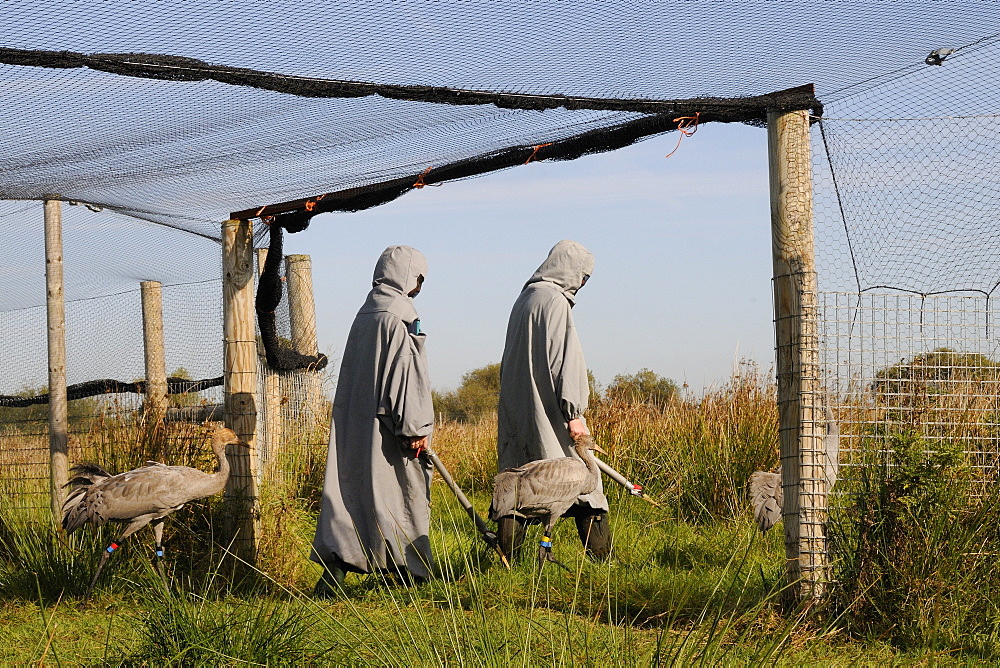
x=535, y=152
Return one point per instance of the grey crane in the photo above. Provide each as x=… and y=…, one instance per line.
x=545, y=489
x=142, y=496
x=766, y=494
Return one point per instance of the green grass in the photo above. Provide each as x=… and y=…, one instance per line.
x=674, y=593
x=691, y=583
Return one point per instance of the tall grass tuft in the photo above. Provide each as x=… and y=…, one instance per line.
x=916, y=537
x=179, y=628
x=36, y=561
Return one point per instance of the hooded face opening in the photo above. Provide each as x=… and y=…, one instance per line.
x=416, y=291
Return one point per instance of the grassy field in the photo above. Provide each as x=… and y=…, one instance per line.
x=691, y=583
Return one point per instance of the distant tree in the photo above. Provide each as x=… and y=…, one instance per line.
x=476, y=397
x=187, y=398
x=942, y=371
x=644, y=386
x=479, y=395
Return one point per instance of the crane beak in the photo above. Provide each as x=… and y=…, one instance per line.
x=597, y=448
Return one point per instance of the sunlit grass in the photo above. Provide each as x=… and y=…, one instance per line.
x=689, y=583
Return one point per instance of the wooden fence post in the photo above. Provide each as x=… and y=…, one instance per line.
x=56, y=316
x=801, y=417
x=240, y=374
x=155, y=357
x=272, y=425
x=302, y=318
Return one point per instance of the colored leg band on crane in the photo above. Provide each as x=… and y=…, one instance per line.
x=545, y=542
x=159, y=553
x=112, y=547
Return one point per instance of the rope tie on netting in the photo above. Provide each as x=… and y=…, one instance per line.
x=537, y=148
x=419, y=183
x=311, y=204
x=687, y=126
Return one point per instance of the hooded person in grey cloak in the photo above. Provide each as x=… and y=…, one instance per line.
x=375, y=512
x=544, y=388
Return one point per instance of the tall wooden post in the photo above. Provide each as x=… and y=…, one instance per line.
x=155, y=357
x=302, y=318
x=240, y=389
x=56, y=314
x=272, y=426
x=797, y=350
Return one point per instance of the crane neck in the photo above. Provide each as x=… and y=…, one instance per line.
x=589, y=460
x=219, y=443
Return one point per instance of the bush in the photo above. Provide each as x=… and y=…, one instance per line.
x=645, y=386
x=475, y=398
x=916, y=542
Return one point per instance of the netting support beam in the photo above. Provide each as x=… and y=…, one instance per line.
x=155, y=356
x=239, y=335
x=801, y=420
x=56, y=316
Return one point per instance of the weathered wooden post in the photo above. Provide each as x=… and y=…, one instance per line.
x=240, y=389
x=801, y=424
x=302, y=317
x=56, y=316
x=155, y=357
x=272, y=427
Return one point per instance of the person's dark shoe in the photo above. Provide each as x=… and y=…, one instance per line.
x=595, y=534
x=330, y=583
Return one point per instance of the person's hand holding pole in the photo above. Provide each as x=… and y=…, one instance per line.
x=578, y=428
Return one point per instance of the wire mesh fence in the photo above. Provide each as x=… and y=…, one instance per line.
x=924, y=365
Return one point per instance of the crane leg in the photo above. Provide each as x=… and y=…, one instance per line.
x=545, y=550
x=129, y=530
x=158, y=559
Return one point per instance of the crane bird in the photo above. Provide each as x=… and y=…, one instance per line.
x=545, y=489
x=141, y=496
x=766, y=494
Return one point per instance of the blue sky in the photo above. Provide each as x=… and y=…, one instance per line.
x=682, y=246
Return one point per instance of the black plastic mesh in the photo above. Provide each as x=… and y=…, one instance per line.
x=187, y=153
x=907, y=181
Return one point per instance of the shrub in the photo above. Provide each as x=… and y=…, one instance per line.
x=644, y=386
x=916, y=542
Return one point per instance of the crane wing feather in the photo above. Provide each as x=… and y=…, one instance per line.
x=767, y=498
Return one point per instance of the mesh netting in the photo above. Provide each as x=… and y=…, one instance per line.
x=187, y=153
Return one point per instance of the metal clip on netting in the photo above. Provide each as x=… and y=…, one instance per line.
x=269, y=291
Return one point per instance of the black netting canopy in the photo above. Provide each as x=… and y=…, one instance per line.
x=183, y=114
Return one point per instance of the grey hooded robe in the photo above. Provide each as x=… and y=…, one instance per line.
x=543, y=376
x=376, y=499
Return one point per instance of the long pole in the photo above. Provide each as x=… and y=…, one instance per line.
x=155, y=357
x=56, y=316
x=631, y=487
x=240, y=388
x=797, y=352
x=484, y=530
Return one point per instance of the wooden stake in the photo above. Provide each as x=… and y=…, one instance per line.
x=801, y=421
x=272, y=425
x=152, y=338
x=240, y=371
x=302, y=317
x=56, y=312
